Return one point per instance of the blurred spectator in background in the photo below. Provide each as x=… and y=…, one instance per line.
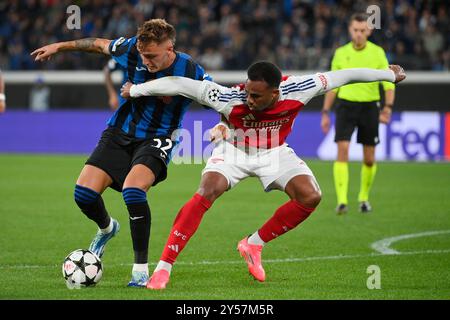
x=39, y=96
x=302, y=34
x=2, y=94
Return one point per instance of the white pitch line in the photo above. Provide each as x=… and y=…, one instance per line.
x=383, y=246
x=287, y=260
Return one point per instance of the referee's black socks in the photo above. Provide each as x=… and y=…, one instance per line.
x=91, y=204
x=140, y=222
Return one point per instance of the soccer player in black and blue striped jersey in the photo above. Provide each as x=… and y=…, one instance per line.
x=134, y=150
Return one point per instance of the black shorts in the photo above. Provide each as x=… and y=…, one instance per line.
x=361, y=115
x=116, y=153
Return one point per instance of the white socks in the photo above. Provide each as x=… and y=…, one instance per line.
x=163, y=265
x=141, y=267
x=109, y=228
x=256, y=239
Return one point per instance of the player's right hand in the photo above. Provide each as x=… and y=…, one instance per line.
x=400, y=74
x=125, y=90
x=325, y=123
x=2, y=106
x=44, y=53
x=219, y=132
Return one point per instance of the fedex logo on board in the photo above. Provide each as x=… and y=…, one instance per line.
x=416, y=136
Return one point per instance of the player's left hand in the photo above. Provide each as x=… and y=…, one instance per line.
x=399, y=73
x=125, y=90
x=45, y=53
x=2, y=106
x=385, y=115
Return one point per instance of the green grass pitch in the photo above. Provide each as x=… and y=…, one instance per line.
x=327, y=257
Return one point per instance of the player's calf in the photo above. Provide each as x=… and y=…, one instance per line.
x=140, y=222
x=91, y=204
x=286, y=218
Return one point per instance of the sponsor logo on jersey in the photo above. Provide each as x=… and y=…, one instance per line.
x=270, y=125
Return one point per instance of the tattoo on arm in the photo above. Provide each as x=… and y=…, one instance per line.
x=86, y=44
x=96, y=45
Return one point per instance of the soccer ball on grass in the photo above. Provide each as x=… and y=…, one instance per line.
x=82, y=268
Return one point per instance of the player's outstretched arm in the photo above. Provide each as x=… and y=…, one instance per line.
x=96, y=45
x=167, y=86
x=342, y=77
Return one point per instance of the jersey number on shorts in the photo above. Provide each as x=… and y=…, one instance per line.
x=159, y=144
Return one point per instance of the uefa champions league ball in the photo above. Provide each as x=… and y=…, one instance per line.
x=82, y=268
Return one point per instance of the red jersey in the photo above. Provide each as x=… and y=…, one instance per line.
x=268, y=128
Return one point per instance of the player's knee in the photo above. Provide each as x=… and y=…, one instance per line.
x=210, y=193
x=134, y=196
x=311, y=200
x=141, y=184
x=369, y=162
x=84, y=196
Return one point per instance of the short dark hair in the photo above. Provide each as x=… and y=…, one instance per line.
x=359, y=16
x=265, y=71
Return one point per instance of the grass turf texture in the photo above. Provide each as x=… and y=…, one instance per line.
x=325, y=258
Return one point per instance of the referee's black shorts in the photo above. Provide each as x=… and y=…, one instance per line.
x=361, y=115
x=116, y=153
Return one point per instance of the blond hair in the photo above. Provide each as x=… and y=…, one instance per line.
x=156, y=30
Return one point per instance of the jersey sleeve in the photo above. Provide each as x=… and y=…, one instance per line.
x=384, y=64
x=304, y=88
x=220, y=98
x=118, y=48
x=201, y=74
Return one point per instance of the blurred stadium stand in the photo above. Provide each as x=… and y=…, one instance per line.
x=229, y=35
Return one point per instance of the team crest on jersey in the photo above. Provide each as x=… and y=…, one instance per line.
x=213, y=95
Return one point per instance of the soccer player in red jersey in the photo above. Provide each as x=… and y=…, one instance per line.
x=259, y=116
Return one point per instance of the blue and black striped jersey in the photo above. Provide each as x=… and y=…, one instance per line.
x=146, y=117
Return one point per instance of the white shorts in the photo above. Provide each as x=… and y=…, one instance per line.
x=274, y=167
